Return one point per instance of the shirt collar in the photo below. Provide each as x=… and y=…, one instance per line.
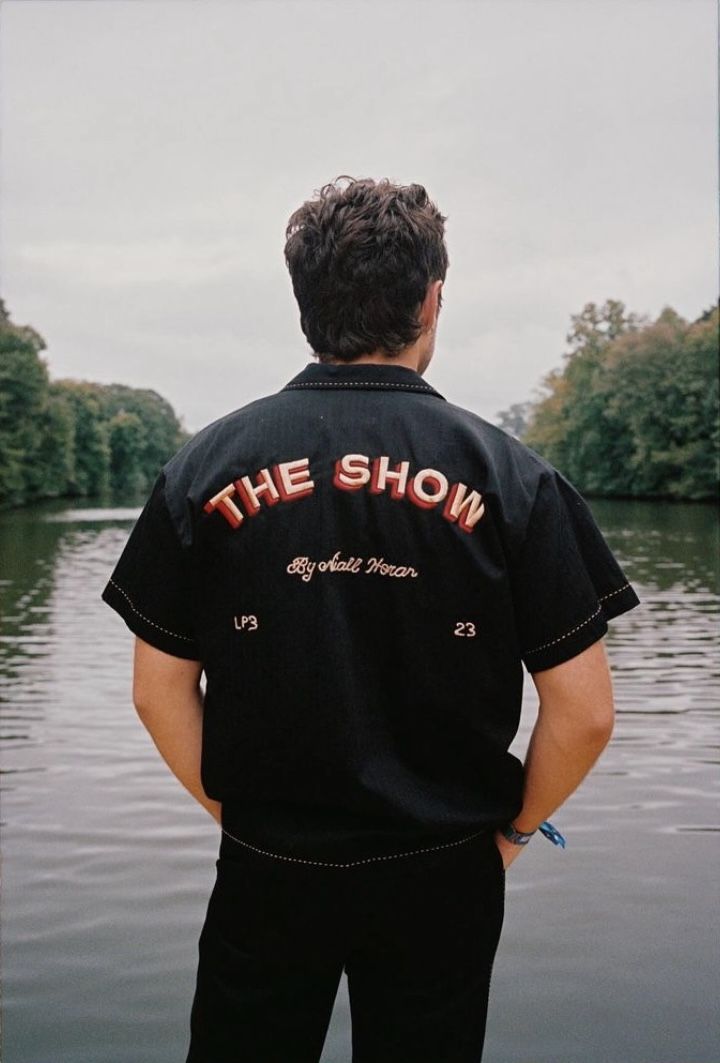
x=360, y=376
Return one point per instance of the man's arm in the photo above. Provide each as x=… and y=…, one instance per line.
x=169, y=701
x=575, y=720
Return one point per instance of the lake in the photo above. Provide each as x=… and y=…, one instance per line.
x=609, y=951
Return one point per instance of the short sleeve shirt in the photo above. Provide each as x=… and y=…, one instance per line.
x=364, y=570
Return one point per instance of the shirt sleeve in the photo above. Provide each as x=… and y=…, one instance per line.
x=152, y=586
x=566, y=582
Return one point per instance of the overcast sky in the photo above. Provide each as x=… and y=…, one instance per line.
x=152, y=153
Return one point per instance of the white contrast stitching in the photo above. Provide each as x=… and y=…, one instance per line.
x=566, y=635
x=186, y=638
x=614, y=592
x=574, y=629
x=359, y=384
x=353, y=863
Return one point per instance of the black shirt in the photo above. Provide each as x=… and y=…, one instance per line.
x=363, y=568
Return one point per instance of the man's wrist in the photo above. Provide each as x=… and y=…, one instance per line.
x=524, y=827
x=512, y=834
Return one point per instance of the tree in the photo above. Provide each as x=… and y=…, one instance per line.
x=56, y=454
x=635, y=409
x=24, y=384
x=161, y=435
x=127, y=440
x=514, y=418
x=74, y=437
x=91, y=468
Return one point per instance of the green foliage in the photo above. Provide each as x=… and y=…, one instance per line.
x=56, y=454
x=161, y=433
x=127, y=439
x=634, y=412
x=90, y=473
x=23, y=393
x=74, y=437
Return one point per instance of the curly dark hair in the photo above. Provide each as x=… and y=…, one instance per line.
x=361, y=258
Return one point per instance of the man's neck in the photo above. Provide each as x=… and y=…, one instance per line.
x=412, y=358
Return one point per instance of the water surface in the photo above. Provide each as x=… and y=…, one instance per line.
x=609, y=952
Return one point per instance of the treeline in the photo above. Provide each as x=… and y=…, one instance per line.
x=634, y=411
x=73, y=437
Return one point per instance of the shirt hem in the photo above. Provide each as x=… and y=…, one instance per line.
x=484, y=831
x=146, y=629
x=585, y=633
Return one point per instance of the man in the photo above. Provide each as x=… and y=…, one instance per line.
x=361, y=569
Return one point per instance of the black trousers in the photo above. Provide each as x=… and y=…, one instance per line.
x=416, y=936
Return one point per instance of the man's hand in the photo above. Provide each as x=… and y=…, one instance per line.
x=508, y=850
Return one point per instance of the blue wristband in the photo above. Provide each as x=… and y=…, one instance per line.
x=518, y=837
x=552, y=833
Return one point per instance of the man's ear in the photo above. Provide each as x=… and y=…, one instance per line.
x=431, y=305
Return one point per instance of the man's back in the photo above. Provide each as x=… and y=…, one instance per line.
x=349, y=559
